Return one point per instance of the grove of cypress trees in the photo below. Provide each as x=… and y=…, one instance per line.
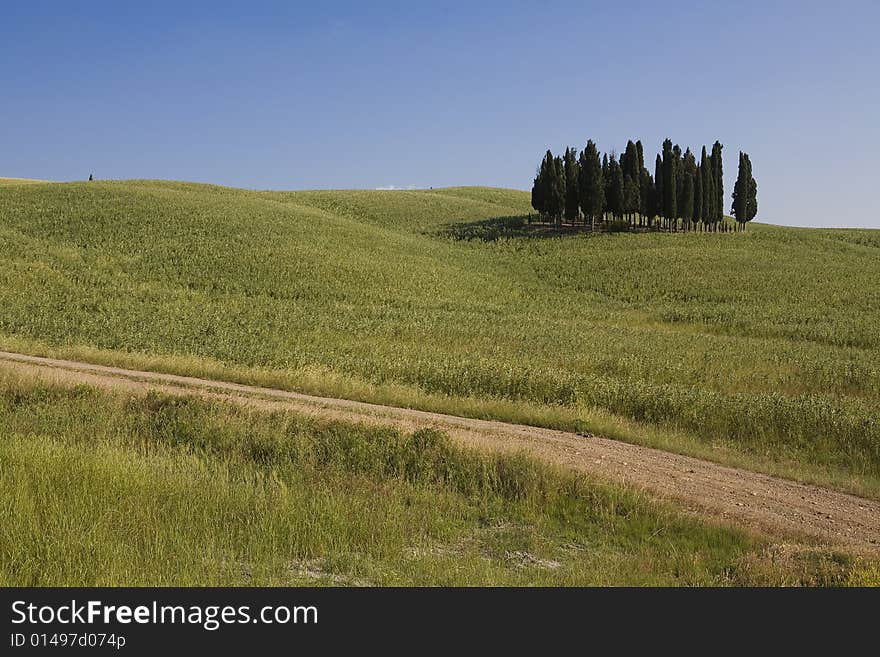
x=680, y=190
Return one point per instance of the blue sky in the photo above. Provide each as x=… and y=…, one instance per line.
x=285, y=95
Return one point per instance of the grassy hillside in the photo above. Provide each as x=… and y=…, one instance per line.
x=759, y=349
x=19, y=181
x=98, y=489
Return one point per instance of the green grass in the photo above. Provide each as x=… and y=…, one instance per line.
x=759, y=349
x=19, y=181
x=114, y=489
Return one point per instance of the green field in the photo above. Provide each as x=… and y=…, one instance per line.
x=114, y=489
x=19, y=181
x=760, y=349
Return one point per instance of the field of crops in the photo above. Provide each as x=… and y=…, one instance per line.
x=115, y=489
x=760, y=349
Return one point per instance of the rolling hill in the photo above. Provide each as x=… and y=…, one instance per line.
x=758, y=349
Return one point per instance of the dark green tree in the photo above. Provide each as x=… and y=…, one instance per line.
x=687, y=198
x=670, y=184
x=678, y=156
x=697, y=216
x=740, y=194
x=631, y=197
x=688, y=172
x=632, y=177
x=591, y=184
x=706, y=173
x=556, y=196
x=645, y=193
x=548, y=190
x=646, y=198
x=616, y=199
x=570, y=166
x=753, y=192
x=717, y=183
x=540, y=188
x=629, y=161
x=745, y=193
x=658, y=187
x=607, y=179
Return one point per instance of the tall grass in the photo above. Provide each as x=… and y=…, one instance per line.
x=112, y=489
x=765, y=343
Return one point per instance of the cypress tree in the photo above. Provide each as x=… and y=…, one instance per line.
x=698, y=197
x=582, y=184
x=629, y=163
x=616, y=200
x=740, y=195
x=630, y=196
x=542, y=185
x=745, y=193
x=646, y=198
x=688, y=172
x=570, y=166
x=670, y=207
x=687, y=198
x=752, y=207
x=645, y=184
x=556, y=196
x=606, y=178
x=537, y=200
x=718, y=183
x=591, y=193
x=658, y=186
x=538, y=189
x=679, y=182
x=630, y=160
x=706, y=172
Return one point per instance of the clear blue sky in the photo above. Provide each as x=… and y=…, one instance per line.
x=285, y=95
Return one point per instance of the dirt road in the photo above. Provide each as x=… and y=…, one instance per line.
x=741, y=496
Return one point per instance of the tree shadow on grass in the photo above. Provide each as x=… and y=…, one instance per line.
x=490, y=230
